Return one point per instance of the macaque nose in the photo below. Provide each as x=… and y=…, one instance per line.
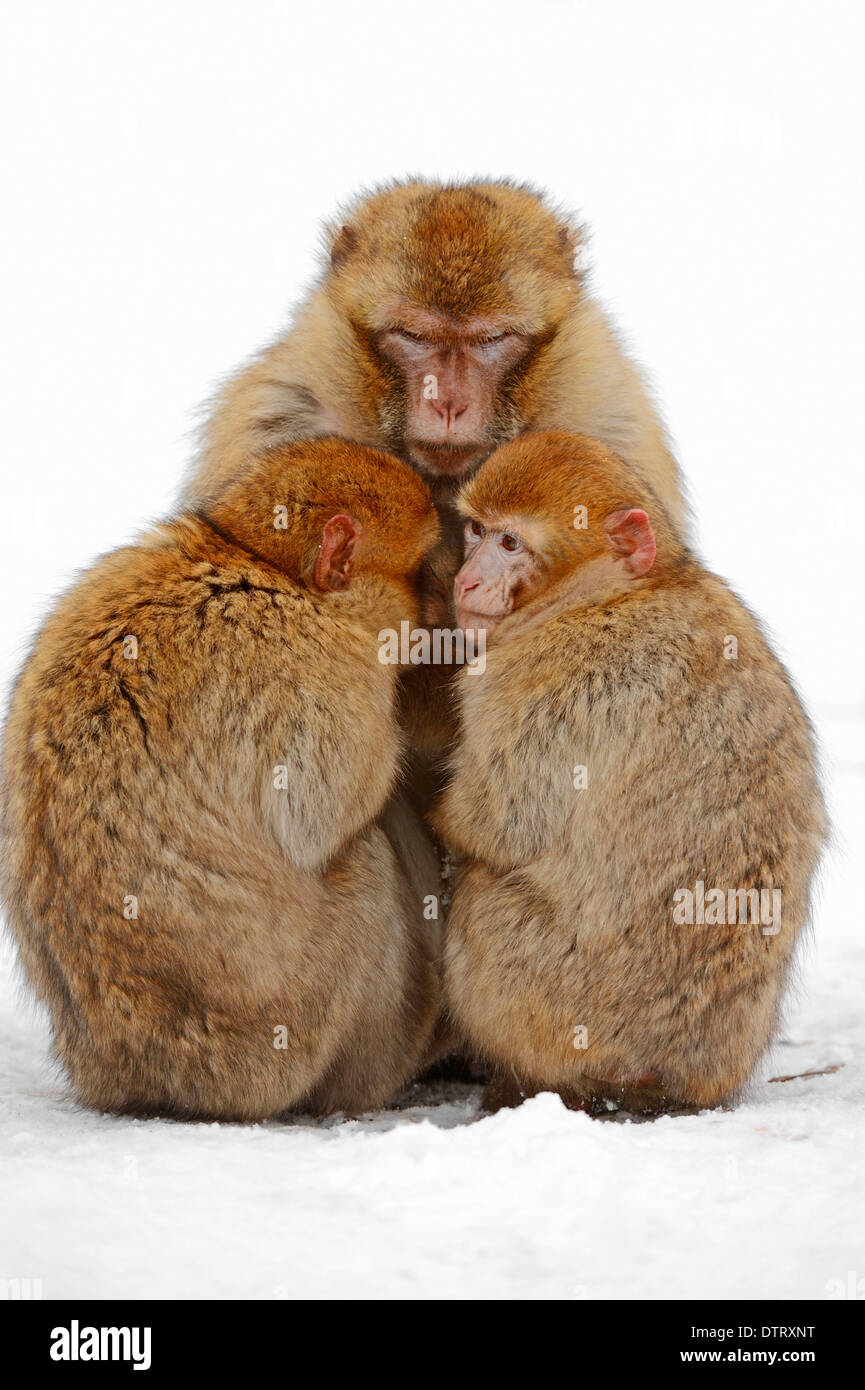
x=463, y=586
x=449, y=407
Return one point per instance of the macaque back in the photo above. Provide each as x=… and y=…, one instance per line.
x=636, y=776
x=195, y=759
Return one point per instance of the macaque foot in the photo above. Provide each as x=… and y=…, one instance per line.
x=505, y=1091
x=638, y=1093
x=642, y=1093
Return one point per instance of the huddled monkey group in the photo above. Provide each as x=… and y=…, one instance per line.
x=225, y=816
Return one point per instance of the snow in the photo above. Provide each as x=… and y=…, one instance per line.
x=434, y=1201
x=168, y=172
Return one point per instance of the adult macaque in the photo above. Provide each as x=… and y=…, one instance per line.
x=635, y=793
x=196, y=756
x=448, y=320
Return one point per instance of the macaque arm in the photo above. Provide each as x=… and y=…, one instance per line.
x=329, y=762
x=513, y=794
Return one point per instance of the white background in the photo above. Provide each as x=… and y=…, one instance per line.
x=165, y=171
x=167, y=168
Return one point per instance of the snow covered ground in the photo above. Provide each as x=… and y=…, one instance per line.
x=431, y=1201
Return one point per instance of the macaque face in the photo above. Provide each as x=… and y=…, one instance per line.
x=499, y=574
x=452, y=374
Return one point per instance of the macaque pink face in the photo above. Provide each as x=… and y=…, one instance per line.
x=452, y=372
x=499, y=572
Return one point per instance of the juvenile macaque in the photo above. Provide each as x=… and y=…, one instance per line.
x=196, y=756
x=448, y=320
x=635, y=794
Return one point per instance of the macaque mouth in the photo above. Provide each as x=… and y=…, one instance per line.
x=449, y=458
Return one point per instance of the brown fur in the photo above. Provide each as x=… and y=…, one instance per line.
x=258, y=907
x=460, y=249
x=699, y=768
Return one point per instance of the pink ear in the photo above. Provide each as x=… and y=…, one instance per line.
x=632, y=537
x=336, y=554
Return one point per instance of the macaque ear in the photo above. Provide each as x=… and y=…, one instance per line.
x=632, y=537
x=334, y=563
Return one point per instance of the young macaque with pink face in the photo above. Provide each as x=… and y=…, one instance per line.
x=635, y=798
x=502, y=572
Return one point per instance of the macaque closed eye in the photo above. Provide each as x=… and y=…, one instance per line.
x=450, y=371
x=410, y=337
x=492, y=339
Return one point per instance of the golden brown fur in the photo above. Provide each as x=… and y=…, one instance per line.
x=265, y=901
x=483, y=248
x=698, y=768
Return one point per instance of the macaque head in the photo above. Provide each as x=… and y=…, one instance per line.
x=452, y=296
x=327, y=512
x=555, y=516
